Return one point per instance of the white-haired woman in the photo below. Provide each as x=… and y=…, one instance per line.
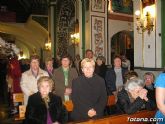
x=44, y=107
x=88, y=93
x=133, y=97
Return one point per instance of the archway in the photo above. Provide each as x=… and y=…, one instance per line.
x=122, y=43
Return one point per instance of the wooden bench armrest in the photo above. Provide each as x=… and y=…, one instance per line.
x=68, y=105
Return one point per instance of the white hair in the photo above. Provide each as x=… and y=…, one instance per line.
x=133, y=84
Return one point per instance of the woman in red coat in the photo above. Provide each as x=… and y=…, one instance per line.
x=14, y=73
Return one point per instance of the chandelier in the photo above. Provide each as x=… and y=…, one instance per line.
x=145, y=19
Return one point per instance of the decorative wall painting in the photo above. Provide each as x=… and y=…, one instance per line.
x=98, y=35
x=98, y=6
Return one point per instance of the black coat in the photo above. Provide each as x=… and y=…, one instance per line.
x=110, y=79
x=101, y=70
x=151, y=95
x=124, y=104
x=88, y=93
x=36, y=111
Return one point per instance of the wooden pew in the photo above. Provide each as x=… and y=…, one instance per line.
x=19, y=98
x=110, y=102
x=120, y=119
x=68, y=105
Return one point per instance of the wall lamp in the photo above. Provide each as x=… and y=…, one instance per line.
x=48, y=44
x=145, y=19
x=75, y=38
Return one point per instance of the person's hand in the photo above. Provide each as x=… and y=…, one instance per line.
x=68, y=91
x=114, y=93
x=91, y=112
x=143, y=94
x=145, y=98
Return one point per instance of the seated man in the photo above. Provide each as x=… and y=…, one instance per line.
x=133, y=97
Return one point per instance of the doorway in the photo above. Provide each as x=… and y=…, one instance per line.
x=122, y=44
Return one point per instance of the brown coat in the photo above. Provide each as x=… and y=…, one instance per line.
x=60, y=80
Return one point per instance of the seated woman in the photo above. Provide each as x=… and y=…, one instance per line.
x=133, y=97
x=149, y=86
x=44, y=107
x=130, y=75
x=88, y=93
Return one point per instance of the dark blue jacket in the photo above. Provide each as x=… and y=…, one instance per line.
x=110, y=79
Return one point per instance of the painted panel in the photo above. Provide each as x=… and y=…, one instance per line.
x=98, y=37
x=98, y=6
x=122, y=6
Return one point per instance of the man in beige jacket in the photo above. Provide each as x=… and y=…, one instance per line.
x=29, y=78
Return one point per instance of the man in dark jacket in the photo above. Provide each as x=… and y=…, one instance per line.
x=115, y=77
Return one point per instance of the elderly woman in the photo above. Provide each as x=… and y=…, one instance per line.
x=88, y=93
x=44, y=107
x=149, y=86
x=133, y=97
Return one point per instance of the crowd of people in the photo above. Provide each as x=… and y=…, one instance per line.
x=87, y=83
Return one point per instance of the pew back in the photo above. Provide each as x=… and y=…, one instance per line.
x=121, y=119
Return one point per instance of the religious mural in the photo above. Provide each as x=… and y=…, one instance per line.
x=98, y=29
x=122, y=6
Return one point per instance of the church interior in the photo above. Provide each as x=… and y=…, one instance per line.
x=53, y=28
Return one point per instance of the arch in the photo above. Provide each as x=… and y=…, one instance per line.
x=122, y=43
x=29, y=35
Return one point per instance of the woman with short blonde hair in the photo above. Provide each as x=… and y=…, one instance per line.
x=88, y=93
x=45, y=79
x=87, y=60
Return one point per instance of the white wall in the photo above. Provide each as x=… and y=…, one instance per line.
x=147, y=47
x=115, y=26
x=138, y=48
x=149, y=50
x=158, y=38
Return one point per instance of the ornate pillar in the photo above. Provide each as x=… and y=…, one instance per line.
x=52, y=24
x=82, y=27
